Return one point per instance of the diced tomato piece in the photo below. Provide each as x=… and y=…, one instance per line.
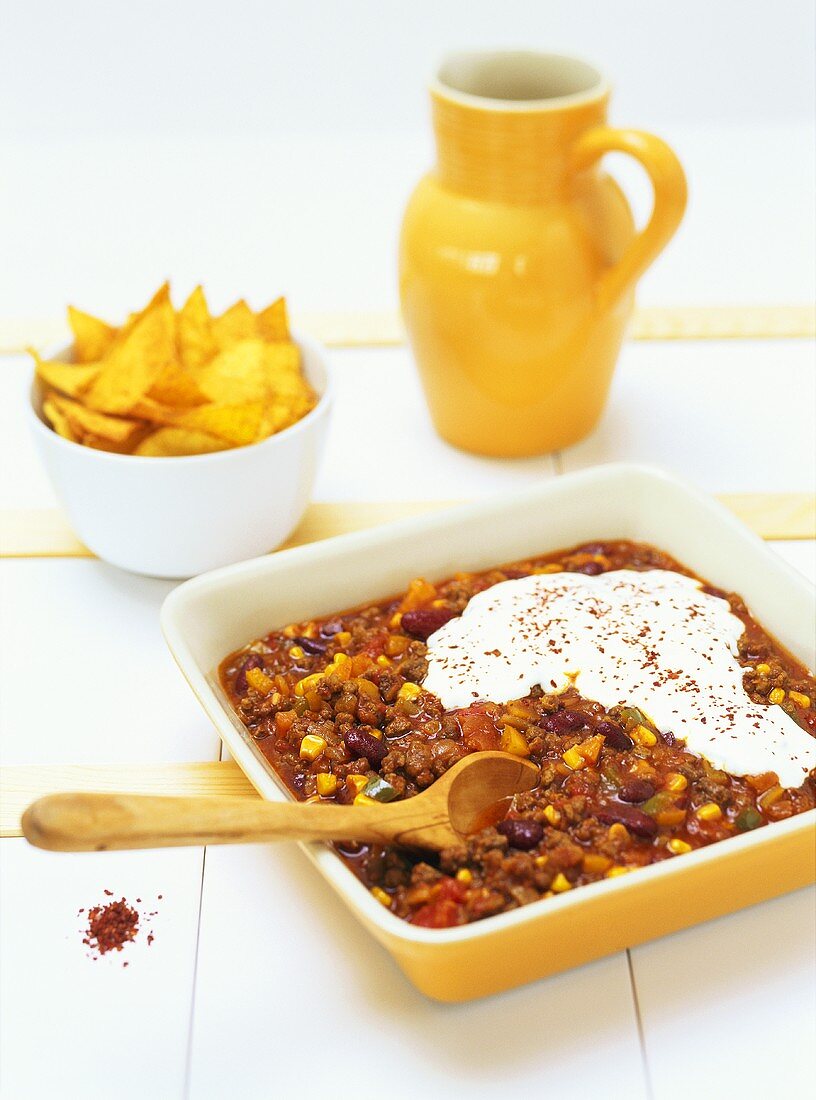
x=441, y=913
x=479, y=732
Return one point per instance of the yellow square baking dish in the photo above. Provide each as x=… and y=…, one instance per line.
x=208, y=617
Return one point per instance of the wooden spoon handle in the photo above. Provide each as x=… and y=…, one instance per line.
x=85, y=822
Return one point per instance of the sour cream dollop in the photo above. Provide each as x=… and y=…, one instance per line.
x=653, y=640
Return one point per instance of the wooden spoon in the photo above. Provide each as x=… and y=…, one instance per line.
x=457, y=804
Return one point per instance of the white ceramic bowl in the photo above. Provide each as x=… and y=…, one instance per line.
x=211, y=616
x=175, y=517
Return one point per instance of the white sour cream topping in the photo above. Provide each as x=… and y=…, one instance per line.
x=652, y=640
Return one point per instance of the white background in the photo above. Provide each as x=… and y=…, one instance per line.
x=265, y=146
x=268, y=147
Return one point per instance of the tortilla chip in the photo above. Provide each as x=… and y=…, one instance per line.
x=92, y=337
x=169, y=383
x=71, y=379
x=135, y=362
x=238, y=323
x=59, y=421
x=272, y=323
x=168, y=442
x=251, y=370
x=175, y=386
x=87, y=423
x=194, y=335
x=236, y=424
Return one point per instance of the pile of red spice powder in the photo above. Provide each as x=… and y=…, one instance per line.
x=112, y=925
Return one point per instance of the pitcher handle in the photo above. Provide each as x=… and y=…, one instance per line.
x=670, y=193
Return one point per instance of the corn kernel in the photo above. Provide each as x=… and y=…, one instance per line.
x=644, y=736
x=550, y=567
x=552, y=815
x=343, y=637
x=669, y=818
x=341, y=659
x=382, y=897
x=297, y=652
x=763, y=669
x=307, y=683
x=464, y=875
x=377, y=733
x=799, y=698
x=613, y=872
x=679, y=847
x=383, y=661
x=312, y=746
x=560, y=883
x=710, y=811
x=573, y=759
x=409, y=692
x=595, y=864
x=676, y=781
x=618, y=832
x=512, y=741
x=395, y=620
x=777, y=696
x=257, y=679
x=364, y=800
x=541, y=861
x=312, y=798
x=326, y=784
x=439, y=603
x=356, y=783
x=290, y=631
x=395, y=645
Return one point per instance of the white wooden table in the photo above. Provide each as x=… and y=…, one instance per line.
x=259, y=982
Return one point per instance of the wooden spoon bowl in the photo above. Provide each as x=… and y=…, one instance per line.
x=456, y=805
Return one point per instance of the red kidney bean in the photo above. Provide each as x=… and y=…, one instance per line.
x=564, y=721
x=523, y=833
x=636, y=790
x=636, y=821
x=313, y=646
x=590, y=568
x=425, y=621
x=359, y=743
x=614, y=736
x=254, y=660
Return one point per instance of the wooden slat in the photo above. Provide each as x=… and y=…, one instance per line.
x=384, y=329
x=19, y=786
x=44, y=533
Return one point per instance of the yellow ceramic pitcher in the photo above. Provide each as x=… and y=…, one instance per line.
x=519, y=256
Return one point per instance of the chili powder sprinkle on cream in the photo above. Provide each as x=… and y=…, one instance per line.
x=649, y=639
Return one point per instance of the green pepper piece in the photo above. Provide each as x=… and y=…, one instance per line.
x=634, y=716
x=663, y=800
x=379, y=790
x=748, y=819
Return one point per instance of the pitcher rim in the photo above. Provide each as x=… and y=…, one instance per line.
x=598, y=87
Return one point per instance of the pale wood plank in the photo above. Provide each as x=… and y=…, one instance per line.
x=385, y=329
x=21, y=785
x=44, y=532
